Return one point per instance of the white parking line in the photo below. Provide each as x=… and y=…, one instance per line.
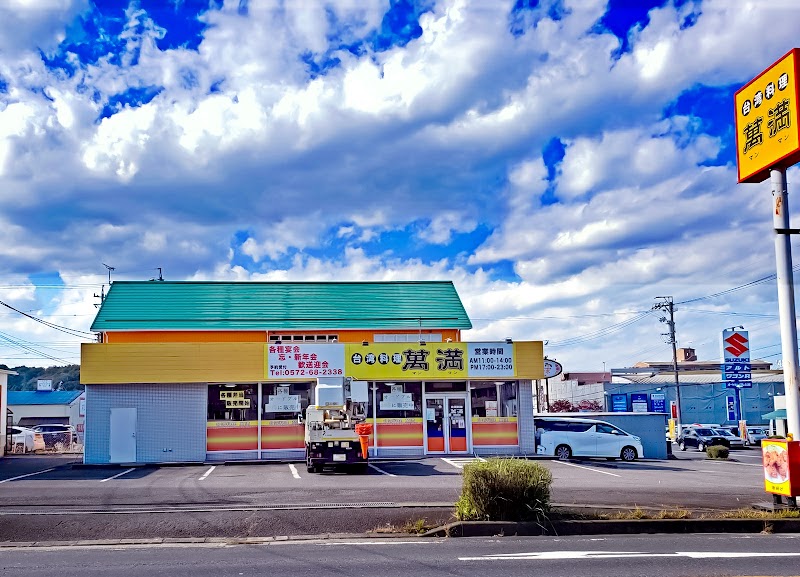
x=588, y=469
x=459, y=462
x=28, y=475
x=293, y=469
x=381, y=471
x=118, y=475
x=207, y=473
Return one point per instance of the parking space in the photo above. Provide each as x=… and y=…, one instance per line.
x=689, y=480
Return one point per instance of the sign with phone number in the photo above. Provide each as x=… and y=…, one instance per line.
x=304, y=360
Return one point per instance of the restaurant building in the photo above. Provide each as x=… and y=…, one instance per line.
x=221, y=371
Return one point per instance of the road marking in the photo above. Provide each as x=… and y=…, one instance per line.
x=207, y=473
x=28, y=475
x=118, y=475
x=381, y=471
x=459, y=462
x=594, y=555
x=293, y=469
x=588, y=469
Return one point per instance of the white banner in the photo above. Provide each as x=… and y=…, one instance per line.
x=283, y=404
x=490, y=360
x=298, y=360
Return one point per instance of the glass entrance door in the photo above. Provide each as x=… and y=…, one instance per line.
x=446, y=424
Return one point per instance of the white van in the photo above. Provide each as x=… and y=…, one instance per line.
x=565, y=438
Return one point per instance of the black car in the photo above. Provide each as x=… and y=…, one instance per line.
x=701, y=438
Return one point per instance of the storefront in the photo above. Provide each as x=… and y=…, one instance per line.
x=223, y=397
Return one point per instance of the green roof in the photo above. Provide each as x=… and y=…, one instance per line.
x=191, y=305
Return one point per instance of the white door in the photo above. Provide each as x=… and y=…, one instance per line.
x=123, y=436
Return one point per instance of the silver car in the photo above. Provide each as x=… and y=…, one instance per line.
x=755, y=435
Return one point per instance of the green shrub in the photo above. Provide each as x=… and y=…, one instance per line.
x=717, y=452
x=505, y=490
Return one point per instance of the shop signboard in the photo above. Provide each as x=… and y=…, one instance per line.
x=658, y=402
x=490, y=360
x=730, y=403
x=619, y=403
x=44, y=385
x=767, y=128
x=639, y=402
x=395, y=361
x=736, y=359
x=781, y=459
x=305, y=361
x=552, y=368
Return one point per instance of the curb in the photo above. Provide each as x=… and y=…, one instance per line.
x=222, y=541
x=614, y=527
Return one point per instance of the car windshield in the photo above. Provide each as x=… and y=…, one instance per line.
x=756, y=431
x=724, y=432
x=705, y=432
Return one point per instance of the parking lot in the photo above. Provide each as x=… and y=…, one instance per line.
x=55, y=483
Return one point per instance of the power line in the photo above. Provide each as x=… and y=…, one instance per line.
x=69, y=331
x=19, y=345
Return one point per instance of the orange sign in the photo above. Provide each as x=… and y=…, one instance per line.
x=767, y=128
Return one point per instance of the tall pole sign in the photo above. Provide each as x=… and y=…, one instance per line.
x=767, y=143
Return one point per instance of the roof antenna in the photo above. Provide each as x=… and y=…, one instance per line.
x=161, y=278
x=110, y=268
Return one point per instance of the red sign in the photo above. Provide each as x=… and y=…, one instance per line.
x=781, y=459
x=79, y=427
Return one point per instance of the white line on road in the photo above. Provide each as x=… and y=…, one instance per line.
x=594, y=555
x=207, y=473
x=381, y=471
x=28, y=475
x=118, y=475
x=459, y=462
x=588, y=469
x=293, y=469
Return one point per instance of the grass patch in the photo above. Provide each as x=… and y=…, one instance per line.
x=757, y=514
x=505, y=490
x=717, y=452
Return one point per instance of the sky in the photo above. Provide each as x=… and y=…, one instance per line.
x=563, y=162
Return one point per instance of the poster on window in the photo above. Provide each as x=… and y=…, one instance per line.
x=491, y=408
x=397, y=402
x=283, y=403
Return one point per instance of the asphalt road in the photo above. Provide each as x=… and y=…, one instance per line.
x=44, y=495
x=644, y=555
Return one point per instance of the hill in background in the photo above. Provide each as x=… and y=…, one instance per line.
x=66, y=378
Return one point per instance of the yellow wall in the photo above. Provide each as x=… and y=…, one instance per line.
x=171, y=362
x=529, y=359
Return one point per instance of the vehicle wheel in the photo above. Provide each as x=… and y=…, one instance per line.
x=682, y=446
x=628, y=454
x=701, y=447
x=563, y=452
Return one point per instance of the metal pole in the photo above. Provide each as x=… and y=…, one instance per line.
x=786, y=309
x=547, y=395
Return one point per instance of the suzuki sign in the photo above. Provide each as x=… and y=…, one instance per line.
x=736, y=359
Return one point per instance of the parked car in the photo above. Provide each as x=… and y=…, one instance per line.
x=28, y=439
x=734, y=440
x=755, y=435
x=566, y=438
x=700, y=438
x=55, y=434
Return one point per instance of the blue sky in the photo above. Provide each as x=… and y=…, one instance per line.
x=562, y=161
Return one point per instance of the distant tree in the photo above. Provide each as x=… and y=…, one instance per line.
x=562, y=406
x=591, y=406
x=65, y=378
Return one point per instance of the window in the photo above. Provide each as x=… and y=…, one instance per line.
x=232, y=402
x=608, y=429
x=408, y=338
x=493, y=398
x=314, y=338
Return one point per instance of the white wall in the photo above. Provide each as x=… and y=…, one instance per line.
x=3, y=406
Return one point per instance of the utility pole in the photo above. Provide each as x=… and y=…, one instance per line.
x=667, y=305
x=786, y=306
